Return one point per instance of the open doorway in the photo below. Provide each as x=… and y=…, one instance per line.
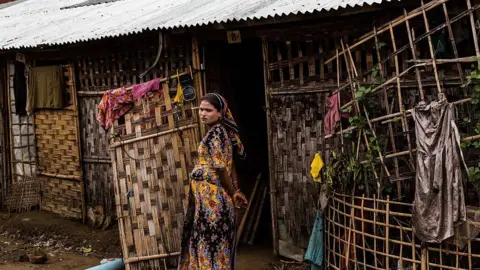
x=236, y=72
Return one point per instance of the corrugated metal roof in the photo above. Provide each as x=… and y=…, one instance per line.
x=29, y=23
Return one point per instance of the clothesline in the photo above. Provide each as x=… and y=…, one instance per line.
x=129, y=88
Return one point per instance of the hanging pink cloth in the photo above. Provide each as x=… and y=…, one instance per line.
x=140, y=90
x=333, y=115
x=114, y=104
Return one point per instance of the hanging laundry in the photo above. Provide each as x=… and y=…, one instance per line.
x=468, y=230
x=114, y=104
x=314, y=253
x=439, y=204
x=20, y=87
x=45, y=88
x=333, y=115
x=316, y=166
x=140, y=90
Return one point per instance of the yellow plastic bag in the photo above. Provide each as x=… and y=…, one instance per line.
x=316, y=166
x=179, y=96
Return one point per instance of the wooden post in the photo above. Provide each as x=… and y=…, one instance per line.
x=474, y=31
x=414, y=56
x=405, y=128
x=271, y=164
x=432, y=52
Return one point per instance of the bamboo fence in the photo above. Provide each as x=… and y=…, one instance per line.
x=374, y=231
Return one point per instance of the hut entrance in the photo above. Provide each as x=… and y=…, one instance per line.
x=236, y=72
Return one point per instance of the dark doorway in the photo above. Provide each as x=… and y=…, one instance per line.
x=236, y=72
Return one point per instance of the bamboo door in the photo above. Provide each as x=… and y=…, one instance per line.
x=58, y=155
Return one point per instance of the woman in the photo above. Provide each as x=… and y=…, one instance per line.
x=208, y=240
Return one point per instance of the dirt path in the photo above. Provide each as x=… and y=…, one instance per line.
x=72, y=245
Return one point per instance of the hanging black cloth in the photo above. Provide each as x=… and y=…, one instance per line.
x=20, y=88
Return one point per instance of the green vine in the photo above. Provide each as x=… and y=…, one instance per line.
x=473, y=80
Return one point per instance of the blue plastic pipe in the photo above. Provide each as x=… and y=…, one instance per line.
x=116, y=264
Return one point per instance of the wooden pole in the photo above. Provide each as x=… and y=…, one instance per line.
x=387, y=234
x=354, y=71
x=245, y=215
x=389, y=109
x=432, y=52
x=474, y=30
x=259, y=215
x=453, y=43
x=363, y=233
x=414, y=57
x=271, y=164
x=401, y=106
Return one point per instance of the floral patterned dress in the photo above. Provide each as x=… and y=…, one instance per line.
x=208, y=240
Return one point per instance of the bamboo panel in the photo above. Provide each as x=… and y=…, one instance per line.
x=61, y=196
x=152, y=156
x=57, y=146
x=387, y=241
x=296, y=132
x=102, y=72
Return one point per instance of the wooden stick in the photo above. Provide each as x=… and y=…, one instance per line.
x=271, y=164
x=363, y=233
x=329, y=243
x=245, y=215
x=60, y=176
x=469, y=59
x=150, y=257
x=401, y=105
x=432, y=52
x=453, y=43
x=399, y=20
x=469, y=247
x=375, y=230
x=259, y=215
x=120, y=143
x=414, y=57
x=389, y=110
x=340, y=103
x=352, y=66
x=387, y=233
x=474, y=31
x=251, y=218
x=347, y=254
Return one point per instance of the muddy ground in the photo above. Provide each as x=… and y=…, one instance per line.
x=72, y=245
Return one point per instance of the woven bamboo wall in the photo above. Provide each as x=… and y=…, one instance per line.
x=61, y=196
x=96, y=74
x=57, y=146
x=58, y=152
x=151, y=163
x=296, y=136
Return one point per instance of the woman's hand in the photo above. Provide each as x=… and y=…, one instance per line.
x=239, y=200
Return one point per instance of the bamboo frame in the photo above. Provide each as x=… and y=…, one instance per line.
x=334, y=214
x=392, y=241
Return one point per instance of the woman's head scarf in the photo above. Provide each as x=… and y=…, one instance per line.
x=230, y=125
